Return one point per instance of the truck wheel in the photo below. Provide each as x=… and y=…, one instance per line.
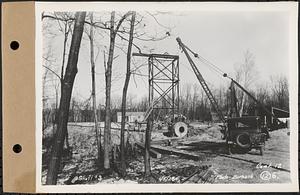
x=243, y=140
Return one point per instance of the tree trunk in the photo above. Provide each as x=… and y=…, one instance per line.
x=66, y=34
x=108, y=93
x=108, y=73
x=55, y=113
x=65, y=98
x=233, y=101
x=147, y=145
x=98, y=138
x=63, y=57
x=241, y=110
x=125, y=88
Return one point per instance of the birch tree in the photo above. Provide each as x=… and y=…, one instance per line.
x=245, y=74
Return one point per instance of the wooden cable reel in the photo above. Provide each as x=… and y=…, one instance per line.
x=180, y=129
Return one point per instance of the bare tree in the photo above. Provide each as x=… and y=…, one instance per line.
x=187, y=98
x=65, y=98
x=263, y=93
x=66, y=30
x=115, y=29
x=45, y=82
x=245, y=74
x=147, y=166
x=280, y=92
x=64, y=26
x=108, y=74
x=123, y=107
x=195, y=99
x=91, y=38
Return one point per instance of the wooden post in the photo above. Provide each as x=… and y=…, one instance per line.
x=148, y=145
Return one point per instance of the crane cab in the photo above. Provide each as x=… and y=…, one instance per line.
x=246, y=133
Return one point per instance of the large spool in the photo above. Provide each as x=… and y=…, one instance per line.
x=180, y=129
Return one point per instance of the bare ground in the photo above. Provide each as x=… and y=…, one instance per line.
x=204, y=139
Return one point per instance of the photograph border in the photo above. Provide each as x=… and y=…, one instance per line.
x=290, y=7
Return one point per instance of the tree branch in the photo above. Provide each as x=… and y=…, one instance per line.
x=123, y=38
x=169, y=28
x=121, y=21
x=52, y=72
x=72, y=19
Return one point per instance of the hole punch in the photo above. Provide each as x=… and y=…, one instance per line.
x=17, y=148
x=14, y=45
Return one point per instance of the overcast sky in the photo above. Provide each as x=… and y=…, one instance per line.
x=220, y=37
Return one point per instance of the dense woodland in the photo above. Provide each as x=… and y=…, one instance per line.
x=126, y=32
x=194, y=104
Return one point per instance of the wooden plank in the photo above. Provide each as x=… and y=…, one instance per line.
x=153, y=153
x=170, y=150
x=203, y=145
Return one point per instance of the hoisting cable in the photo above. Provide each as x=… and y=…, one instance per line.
x=208, y=63
x=218, y=70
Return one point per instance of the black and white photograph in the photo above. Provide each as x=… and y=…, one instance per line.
x=166, y=93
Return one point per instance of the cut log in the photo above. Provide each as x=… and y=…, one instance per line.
x=153, y=153
x=170, y=150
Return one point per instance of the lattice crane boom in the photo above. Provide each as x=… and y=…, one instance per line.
x=201, y=80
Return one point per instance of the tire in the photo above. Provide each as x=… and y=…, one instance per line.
x=243, y=140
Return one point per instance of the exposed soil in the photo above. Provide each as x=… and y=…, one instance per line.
x=80, y=165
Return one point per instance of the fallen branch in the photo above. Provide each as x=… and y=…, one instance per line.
x=189, y=177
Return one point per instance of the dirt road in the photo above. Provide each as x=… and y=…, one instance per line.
x=276, y=155
x=250, y=167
